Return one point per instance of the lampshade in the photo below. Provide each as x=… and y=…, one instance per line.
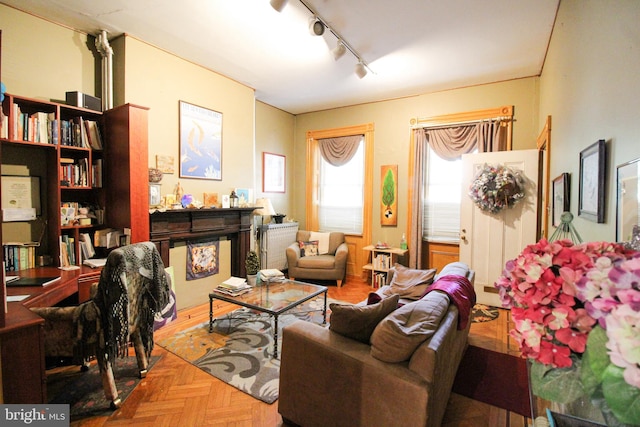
x=265, y=207
x=278, y=4
x=339, y=50
x=361, y=71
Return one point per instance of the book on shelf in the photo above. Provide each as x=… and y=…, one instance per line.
x=19, y=256
x=86, y=246
x=93, y=134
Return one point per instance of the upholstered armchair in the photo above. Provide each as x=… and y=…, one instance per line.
x=315, y=263
x=133, y=287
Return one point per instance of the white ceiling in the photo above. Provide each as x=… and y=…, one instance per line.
x=412, y=46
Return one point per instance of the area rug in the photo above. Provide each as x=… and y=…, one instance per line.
x=494, y=378
x=83, y=391
x=239, y=350
x=484, y=313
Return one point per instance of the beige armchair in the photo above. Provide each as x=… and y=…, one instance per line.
x=329, y=266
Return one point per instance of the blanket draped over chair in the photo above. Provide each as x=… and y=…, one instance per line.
x=132, y=288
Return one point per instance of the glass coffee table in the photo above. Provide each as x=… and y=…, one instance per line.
x=273, y=298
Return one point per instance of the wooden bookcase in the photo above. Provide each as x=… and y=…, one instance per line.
x=110, y=179
x=381, y=261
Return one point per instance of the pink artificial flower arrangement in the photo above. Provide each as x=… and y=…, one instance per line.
x=576, y=314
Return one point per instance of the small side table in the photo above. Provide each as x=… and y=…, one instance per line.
x=382, y=259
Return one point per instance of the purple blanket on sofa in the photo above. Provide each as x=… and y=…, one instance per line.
x=461, y=292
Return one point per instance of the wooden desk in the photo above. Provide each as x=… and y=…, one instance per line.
x=22, y=337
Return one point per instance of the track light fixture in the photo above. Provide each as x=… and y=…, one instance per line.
x=339, y=50
x=361, y=70
x=278, y=4
x=316, y=27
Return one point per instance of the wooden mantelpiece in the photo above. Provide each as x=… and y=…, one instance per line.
x=179, y=225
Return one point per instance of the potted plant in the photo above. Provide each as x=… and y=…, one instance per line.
x=252, y=265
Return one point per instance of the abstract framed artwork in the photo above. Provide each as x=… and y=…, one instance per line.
x=560, y=200
x=389, y=195
x=273, y=173
x=591, y=185
x=200, y=142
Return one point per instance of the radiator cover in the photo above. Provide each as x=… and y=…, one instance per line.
x=274, y=240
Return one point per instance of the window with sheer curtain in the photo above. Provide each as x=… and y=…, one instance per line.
x=341, y=194
x=441, y=214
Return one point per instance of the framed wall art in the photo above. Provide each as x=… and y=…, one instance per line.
x=273, y=173
x=560, y=199
x=591, y=185
x=389, y=195
x=627, y=201
x=200, y=142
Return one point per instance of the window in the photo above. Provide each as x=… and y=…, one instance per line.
x=442, y=193
x=341, y=194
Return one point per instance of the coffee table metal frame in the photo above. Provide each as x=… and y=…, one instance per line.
x=248, y=300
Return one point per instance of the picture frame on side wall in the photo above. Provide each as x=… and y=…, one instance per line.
x=273, y=173
x=200, y=142
x=561, y=198
x=592, y=182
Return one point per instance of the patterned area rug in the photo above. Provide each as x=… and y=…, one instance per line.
x=239, y=350
x=83, y=390
x=484, y=313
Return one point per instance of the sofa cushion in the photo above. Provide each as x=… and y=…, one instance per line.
x=308, y=248
x=399, y=334
x=358, y=322
x=408, y=283
x=323, y=241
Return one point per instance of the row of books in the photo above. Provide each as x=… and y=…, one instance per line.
x=378, y=280
x=382, y=262
x=19, y=257
x=79, y=132
x=74, y=173
x=43, y=127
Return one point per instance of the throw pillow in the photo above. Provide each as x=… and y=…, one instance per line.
x=308, y=248
x=323, y=241
x=409, y=283
x=399, y=334
x=358, y=322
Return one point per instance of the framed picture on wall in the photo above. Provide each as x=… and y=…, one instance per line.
x=591, y=185
x=200, y=142
x=273, y=173
x=560, y=201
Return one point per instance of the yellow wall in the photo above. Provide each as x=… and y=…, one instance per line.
x=589, y=86
x=392, y=134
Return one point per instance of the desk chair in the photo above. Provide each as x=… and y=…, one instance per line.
x=133, y=286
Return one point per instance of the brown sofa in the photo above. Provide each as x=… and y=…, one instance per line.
x=329, y=379
x=330, y=266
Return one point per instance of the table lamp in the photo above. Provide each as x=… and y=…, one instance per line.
x=265, y=208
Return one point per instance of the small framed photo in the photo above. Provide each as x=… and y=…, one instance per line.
x=560, y=201
x=155, y=197
x=592, y=177
x=273, y=173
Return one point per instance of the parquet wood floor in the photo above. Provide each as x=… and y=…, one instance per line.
x=175, y=393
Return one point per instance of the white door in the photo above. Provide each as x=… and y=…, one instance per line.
x=488, y=241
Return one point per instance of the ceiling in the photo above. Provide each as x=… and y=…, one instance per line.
x=411, y=46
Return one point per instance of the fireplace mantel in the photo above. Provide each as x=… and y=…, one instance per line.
x=178, y=225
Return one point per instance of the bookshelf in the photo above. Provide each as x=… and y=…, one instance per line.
x=67, y=148
x=381, y=261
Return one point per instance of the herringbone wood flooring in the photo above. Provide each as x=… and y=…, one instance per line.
x=176, y=393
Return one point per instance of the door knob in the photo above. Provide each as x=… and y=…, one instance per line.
x=463, y=235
